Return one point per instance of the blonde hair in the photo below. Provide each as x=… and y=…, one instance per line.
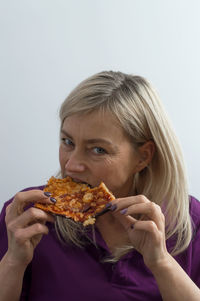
x=136, y=105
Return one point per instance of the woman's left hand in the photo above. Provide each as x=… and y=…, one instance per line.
x=145, y=224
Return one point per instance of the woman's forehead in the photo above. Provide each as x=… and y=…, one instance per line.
x=94, y=124
x=103, y=118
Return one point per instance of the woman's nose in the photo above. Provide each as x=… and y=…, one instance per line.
x=74, y=164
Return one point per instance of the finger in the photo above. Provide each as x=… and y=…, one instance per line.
x=148, y=210
x=151, y=228
x=126, y=221
x=30, y=216
x=22, y=199
x=22, y=235
x=130, y=224
x=148, y=226
x=121, y=203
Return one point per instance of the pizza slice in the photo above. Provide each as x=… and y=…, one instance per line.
x=76, y=200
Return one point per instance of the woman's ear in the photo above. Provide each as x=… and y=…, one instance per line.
x=145, y=152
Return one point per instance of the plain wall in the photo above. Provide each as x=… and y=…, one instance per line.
x=48, y=47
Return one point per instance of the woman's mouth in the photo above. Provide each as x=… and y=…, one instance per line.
x=79, y=181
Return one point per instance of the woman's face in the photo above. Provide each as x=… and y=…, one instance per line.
x=95, y=148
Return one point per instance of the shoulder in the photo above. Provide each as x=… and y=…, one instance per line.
x=194, y=247
x=195, y=220
x=195, y=212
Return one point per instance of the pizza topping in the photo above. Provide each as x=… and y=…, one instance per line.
x=76, y=200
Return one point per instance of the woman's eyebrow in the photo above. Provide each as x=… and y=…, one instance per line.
x=91, y=141
x=65, y=133
x=98, y=140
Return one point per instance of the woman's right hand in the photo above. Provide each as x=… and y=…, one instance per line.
x=25, y=228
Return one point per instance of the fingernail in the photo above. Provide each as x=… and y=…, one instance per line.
x=132, y=226
x=108, y=205
x=48, y=194
x=123, y=211
x=53, y=200
x=113, y=207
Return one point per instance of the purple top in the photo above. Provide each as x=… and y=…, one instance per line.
x=62, y=272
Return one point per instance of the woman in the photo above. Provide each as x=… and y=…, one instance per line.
x=113, y=129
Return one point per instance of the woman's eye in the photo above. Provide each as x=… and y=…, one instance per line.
x=67, y=141
x=99, y=150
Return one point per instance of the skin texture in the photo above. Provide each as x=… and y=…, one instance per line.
x=25, y=228
x=95, y=148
